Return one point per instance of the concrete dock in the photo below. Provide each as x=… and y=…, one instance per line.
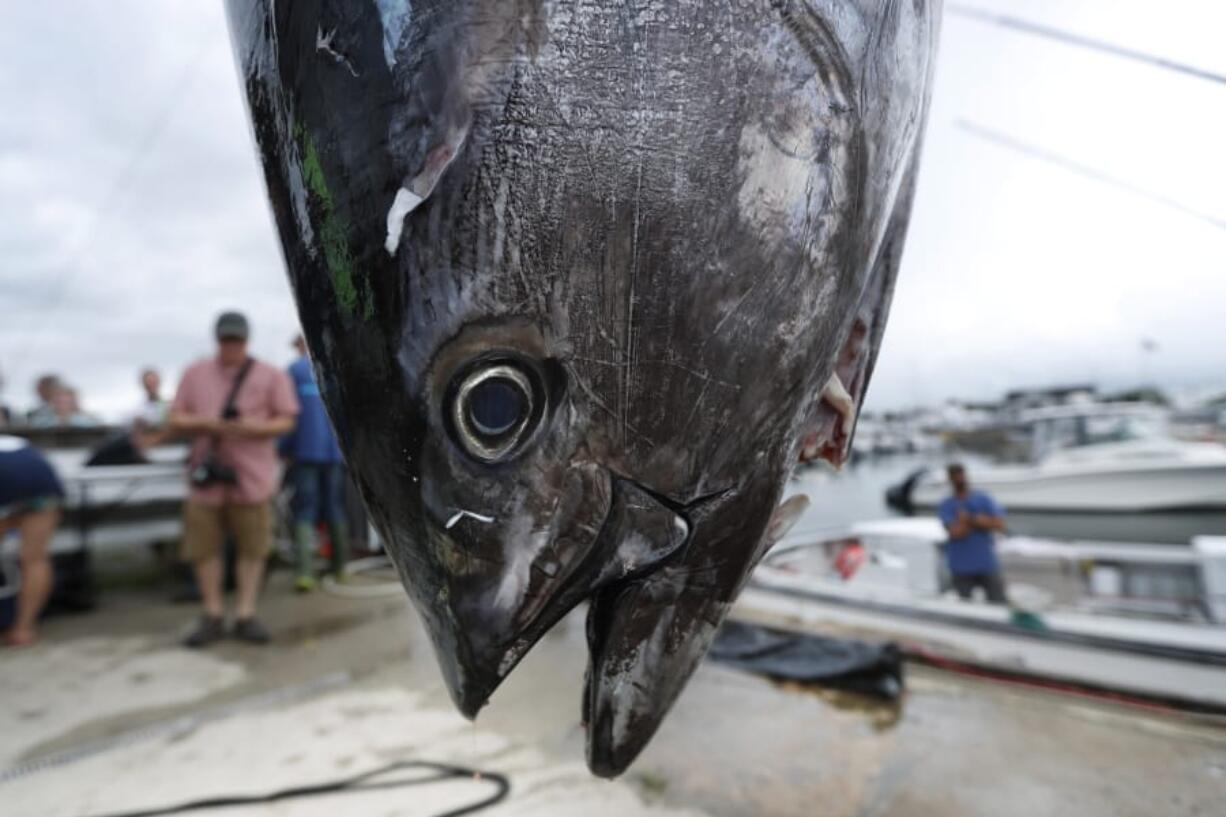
x=109, y=714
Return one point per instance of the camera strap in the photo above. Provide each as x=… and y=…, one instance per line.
x=228, y=406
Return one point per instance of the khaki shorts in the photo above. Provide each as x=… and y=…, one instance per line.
x=204, y=527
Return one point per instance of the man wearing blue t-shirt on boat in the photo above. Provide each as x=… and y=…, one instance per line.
x=972, y=519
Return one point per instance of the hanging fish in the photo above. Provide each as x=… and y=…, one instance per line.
x=583, y=280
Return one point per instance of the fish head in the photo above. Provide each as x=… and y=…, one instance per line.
x=576, y=279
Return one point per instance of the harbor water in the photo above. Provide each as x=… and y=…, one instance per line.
x=857, y=493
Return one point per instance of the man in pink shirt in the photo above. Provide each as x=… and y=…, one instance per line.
x=233, y=407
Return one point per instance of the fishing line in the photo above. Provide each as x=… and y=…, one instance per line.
x=358, y=783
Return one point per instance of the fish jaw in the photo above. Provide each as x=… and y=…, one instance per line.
x=646, y=639
x=647, y=635
x=488, y=613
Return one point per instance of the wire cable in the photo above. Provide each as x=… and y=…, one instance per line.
x=1073, y=166
x=1082, y=41
x=68, y=264
x=350, y=785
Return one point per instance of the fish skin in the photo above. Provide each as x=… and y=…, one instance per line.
x=677, y=218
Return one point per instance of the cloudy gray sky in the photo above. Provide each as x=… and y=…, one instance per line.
x=133, y=210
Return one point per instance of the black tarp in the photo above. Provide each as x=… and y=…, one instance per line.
x=119, y=449
x=856, y=666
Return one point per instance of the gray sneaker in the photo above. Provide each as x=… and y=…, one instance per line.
x=208, y=630
x=251, y=631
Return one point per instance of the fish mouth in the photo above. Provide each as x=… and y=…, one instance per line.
x=646, y=635
x=640, y=532
x=652, y=616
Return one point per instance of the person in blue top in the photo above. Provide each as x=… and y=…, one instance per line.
x=316, y=476
x=972, y=519
x=30, y=498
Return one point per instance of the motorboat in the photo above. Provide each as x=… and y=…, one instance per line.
x=124, y=499
x=132, y=504
x=1148, y=622
x=1098, y=458
x=123, y=505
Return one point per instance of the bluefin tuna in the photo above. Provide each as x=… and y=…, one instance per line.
x=583, y=280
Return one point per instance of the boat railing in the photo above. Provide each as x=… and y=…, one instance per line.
x=1120, y=578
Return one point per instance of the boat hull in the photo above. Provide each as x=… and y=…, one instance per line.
x=1188, y=673
x=1178, y=488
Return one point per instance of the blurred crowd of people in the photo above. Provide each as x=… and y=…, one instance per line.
x=58, y=405
x=252, y=429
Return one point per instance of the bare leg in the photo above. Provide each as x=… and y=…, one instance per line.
x=250, y=576
x=208, y=579
x=36, y=529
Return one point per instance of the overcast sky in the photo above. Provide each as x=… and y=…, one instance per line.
x=132, y=209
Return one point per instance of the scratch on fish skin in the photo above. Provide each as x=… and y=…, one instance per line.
x=703, y=376
x=599, y=361
x=735, y=308
x=706, y=377
x=323, y=43
x=634, y=274
x=458, y=515
x=600, y=404
x=699, y=402
x=406, y=201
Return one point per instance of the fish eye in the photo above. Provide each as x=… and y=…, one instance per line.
x=494, y=409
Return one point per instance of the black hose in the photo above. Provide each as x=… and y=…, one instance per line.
x=443, y=771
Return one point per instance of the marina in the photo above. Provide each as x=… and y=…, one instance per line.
x=781, y=408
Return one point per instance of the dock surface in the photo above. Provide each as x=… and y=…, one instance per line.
x=109, y=714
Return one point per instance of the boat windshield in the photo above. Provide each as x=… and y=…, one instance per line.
x=1118, y=429
x=1094, y=429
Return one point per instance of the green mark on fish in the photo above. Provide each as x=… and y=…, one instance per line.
x=333, y=233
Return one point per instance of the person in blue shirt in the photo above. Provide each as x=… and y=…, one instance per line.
x=972, y=519
x=316, y=476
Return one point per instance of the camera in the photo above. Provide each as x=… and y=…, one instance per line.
x=212, y=471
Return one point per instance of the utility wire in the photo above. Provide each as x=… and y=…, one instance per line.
x=1081, y=41
x=1073, y=166
x=68, y=264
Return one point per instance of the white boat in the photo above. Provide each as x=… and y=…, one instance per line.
x=128, y=505
x=1147, y=622
x=111, y=512
x=106, y=509
x=120, y=506
x=1094, y=459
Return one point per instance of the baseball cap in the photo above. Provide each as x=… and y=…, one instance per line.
x=232, y=325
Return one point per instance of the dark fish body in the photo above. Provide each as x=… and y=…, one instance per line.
x=582, y=281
